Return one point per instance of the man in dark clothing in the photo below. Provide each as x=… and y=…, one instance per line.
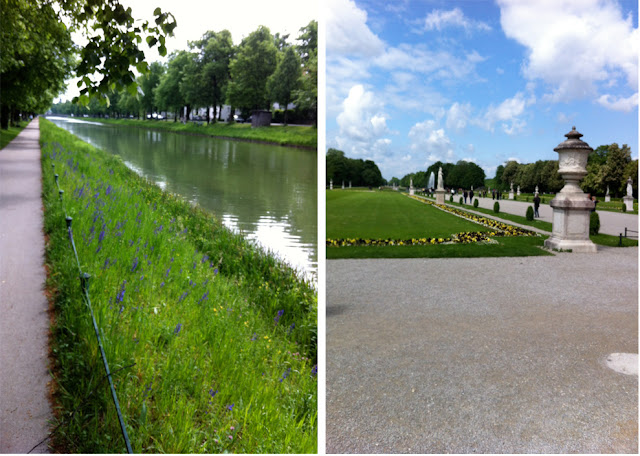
x=536, y=205
x=465, y=194
x=471, y=197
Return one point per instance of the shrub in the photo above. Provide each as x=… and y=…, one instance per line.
x=451, y=199
x=460, y=200
x=624, y=207
x=530, y=213
x=496, y=207
x=475, y=202
x=594, y=223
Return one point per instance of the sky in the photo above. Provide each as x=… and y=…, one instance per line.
x=411, y=82
x=195, y=17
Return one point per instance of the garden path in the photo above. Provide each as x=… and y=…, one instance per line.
x=482, y=355
x=612, y=223
x=24, y=322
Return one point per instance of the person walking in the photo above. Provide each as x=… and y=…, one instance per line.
x=536, y=205
x=471, y=197
x=465, y=194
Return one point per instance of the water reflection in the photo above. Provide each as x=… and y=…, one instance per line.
x=268, y=193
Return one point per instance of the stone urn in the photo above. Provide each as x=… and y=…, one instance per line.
x=571, y=206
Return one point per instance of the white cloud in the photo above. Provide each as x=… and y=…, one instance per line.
x=507, y=113
x=574, y=46
x=427, y=138
x=619, y=103
x=360, y=118
x=421, y=59
x=440, y=19
x=347, y=32
x=458, y=116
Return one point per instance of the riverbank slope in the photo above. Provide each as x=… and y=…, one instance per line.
x=283, y=135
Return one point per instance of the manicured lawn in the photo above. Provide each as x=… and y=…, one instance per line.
x=277, y=134
x=212, y=341
x=381, y=215
x=384, y=215
x=6, y=136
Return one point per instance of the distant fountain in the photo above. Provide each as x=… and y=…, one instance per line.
x=432, y=181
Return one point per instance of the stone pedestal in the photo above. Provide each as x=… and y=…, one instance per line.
x=571, y=206
x=607, y=199
x=440, y=194
x=628, y=200
x=511, y=195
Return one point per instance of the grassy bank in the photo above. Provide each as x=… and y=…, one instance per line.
x=213, y=342
x=6, y=136
x=276, y=134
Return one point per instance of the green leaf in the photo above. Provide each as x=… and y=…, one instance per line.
x=132, y=89
x=142, y=67
x=157, y=12
x=151, y=41
x=83, y=100
x=162, y=50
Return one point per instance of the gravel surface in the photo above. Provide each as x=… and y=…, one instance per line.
x=24, y=323
x=489, y=355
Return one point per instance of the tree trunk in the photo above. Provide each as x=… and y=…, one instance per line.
x=4, y=117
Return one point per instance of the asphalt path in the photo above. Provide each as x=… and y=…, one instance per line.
x=24, y=322
x=484, y=355
x=612, y=223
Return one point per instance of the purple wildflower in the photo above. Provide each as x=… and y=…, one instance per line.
x=204, y=297
x=99, y=248
x=178, y=328
x=120, y=295
x=314, y=371
x=213, y=393
x=135, y=264
x=277, y=317
x=230, y=407
x=291, y=328
x=285, y=375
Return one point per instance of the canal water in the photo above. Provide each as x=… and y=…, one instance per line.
x=266, y=192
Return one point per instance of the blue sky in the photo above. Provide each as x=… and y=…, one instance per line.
x=411, y=82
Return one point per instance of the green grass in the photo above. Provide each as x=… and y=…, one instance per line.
x=276, y=134
x=388, y=215
x=612, y=241
x=6, y=136
x=202, y=365
x=507, y=246
x=382, y=215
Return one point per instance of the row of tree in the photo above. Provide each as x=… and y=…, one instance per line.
x=608, y=166
x=361, y=173
x=462, y=174
x=38, y=53
x=261, y=70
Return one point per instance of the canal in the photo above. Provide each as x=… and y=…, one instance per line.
x=266, y=192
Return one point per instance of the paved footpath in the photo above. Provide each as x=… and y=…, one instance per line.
x=483, y=355
x=24, y=321
x=610, y=222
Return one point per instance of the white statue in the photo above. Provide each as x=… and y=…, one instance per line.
x=440, y=180
x=629, y=187
x=512, y=187
x=607, y=191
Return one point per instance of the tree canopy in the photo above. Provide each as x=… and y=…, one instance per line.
x=361, y=173
x=38, y=53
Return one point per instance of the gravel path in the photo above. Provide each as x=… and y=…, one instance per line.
x=497, y=355
x=610, y=222
x=24, y=323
